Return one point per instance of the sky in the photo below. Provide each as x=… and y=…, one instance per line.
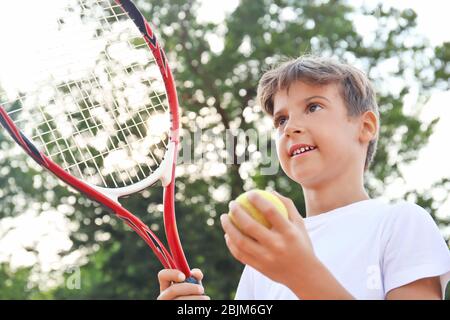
x=433, y=22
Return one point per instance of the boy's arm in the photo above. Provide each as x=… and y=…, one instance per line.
x=321, y=284
x=283, y=253
x=422, y=289
x=318, y=283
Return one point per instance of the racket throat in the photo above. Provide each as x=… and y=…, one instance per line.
x=167, y=164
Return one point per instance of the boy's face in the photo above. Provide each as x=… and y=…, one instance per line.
x=316, y=116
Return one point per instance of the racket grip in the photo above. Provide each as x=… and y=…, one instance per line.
x=191, y=279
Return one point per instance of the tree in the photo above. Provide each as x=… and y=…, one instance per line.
x=15, y=284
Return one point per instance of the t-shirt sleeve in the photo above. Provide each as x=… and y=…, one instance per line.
x=246, y=284
x=413, y=248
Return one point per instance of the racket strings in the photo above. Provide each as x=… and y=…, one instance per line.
x=97, y=125
x=87, y=109
x=97, y=120
x=136, y=125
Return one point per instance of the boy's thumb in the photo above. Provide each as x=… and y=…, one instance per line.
x=293, y=213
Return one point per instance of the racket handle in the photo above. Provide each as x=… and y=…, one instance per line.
x=191, y=279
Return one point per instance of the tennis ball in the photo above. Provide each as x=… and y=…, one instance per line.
x=255, y=213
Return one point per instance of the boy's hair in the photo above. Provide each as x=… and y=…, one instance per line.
x=356, y=89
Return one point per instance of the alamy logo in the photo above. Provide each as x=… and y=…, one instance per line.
x=73, y=281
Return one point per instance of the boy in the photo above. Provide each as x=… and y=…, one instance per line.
x=349, y=246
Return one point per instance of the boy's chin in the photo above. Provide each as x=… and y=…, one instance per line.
x=303, y=176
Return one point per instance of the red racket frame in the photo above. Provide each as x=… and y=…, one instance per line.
x=175, y=259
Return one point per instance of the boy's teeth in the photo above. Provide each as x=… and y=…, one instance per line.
x=302, y=149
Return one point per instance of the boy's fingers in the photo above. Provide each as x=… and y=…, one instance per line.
x=269, y=211
x=197, y=274
x=242, y=240
x=293, y=213
x=178, y=290
x=247, y=224
x=240, y=245
x=167, y=276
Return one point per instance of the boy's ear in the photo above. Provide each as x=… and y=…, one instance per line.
x=369, y=126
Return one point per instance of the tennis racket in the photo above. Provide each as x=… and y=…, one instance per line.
x=89, y=102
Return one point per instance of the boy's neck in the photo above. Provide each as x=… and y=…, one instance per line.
x=335, y=195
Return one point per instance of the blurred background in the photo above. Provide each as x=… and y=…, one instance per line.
x=56, y=245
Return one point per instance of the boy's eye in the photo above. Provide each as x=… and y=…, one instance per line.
x=312, y=107
x=279, y=121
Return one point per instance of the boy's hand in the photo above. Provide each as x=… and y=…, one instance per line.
x=283, y=252
x=172, y=286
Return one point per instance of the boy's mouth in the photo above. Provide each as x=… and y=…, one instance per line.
x=298, y=149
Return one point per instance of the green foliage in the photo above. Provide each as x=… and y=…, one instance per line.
x=223, y=82
x=15, y=285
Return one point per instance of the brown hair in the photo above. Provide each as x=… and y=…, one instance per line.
x=356, y=89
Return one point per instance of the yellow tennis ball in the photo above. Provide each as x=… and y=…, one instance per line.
x=255, y=213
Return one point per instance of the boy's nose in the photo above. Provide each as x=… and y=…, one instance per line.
x=291, y=129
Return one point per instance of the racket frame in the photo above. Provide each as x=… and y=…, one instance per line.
x=108, y=197
x=88, y=190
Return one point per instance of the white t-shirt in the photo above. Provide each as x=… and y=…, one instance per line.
x=370, y=247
